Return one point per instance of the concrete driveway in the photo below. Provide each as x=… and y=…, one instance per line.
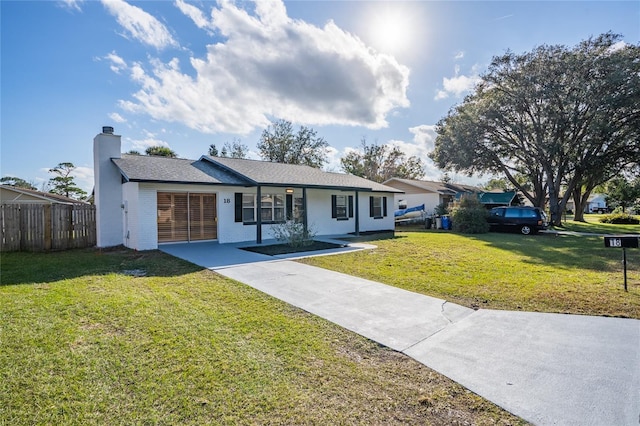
x=549, y=369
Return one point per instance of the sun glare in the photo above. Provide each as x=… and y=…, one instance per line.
x=390, y=29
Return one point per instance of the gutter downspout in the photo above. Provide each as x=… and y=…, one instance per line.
x=304, y=208
x=357, y=215
x=259, y=215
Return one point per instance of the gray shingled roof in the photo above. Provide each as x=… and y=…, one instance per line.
x=439, y=187
x=143, y=168
x=269, y=173
x=234, y=171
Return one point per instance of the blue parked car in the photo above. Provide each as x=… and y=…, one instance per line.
x=526, y=220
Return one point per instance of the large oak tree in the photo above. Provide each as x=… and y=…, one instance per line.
x=566, y=118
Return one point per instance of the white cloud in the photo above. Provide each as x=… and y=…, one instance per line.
x=117, y=117
x=195, y=15
x=117, y=63
x=139, y=24
x=459, y=55
x=333, y=163
x=83, y=177
x=441, y=94
x=422, y=144
x=72, y=4
x=459, y=84
x=141, y=145
x=273, y=66
x=424, y=136
x=617, y=46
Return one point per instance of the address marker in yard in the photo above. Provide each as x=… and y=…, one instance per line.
x=623, y=242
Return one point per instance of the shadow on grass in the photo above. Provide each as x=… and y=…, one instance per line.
x=34, y=268
x=563, y=251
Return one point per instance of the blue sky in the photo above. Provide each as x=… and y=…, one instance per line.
x=189, y=74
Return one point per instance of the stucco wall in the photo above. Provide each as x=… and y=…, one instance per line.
x=107, y=190
x=319, y=213
x=139, y=217
x=372, y=224
x=130, y=214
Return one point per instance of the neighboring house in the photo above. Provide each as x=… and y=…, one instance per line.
x=143, y=201
x=14, y=195
x=596, y=203
x=429, y=193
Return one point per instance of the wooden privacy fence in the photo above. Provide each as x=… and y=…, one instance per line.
x=41, y=227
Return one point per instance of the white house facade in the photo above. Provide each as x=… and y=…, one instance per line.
x=144, y=201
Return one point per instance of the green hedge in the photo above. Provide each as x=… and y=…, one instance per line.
x=620, y=219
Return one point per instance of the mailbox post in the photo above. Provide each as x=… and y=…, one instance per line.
x=623, y=242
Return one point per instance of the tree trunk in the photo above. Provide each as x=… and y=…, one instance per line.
x=580, y=201
x=554, y=210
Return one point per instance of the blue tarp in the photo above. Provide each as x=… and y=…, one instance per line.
x=402, y=212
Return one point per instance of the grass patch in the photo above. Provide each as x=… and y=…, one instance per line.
x=276, y=249
x=543, y=273
x=594, y=225
x=86, y=338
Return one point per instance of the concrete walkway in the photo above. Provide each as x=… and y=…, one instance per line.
x=549, y=369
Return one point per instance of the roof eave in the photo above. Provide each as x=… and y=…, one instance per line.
x=182, y=182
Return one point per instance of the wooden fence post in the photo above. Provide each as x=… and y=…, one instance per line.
x=47, y=227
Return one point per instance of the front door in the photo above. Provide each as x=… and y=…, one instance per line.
x=186, y=217
x=203, y=223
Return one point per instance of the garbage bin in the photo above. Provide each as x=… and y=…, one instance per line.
x=427, y=223
x=446, y=222
x=438, y=222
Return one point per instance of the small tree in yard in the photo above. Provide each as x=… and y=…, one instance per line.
x=63, y=183
x=293, y=233
x=470, y=217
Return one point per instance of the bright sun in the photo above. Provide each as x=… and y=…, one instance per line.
x=390, y=29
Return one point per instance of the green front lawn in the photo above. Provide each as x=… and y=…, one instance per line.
x=120, y=337
x=592, y=224
x=543, y=273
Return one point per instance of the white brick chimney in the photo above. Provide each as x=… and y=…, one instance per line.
x=107, y=188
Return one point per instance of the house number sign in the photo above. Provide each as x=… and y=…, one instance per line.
x=623, y=242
